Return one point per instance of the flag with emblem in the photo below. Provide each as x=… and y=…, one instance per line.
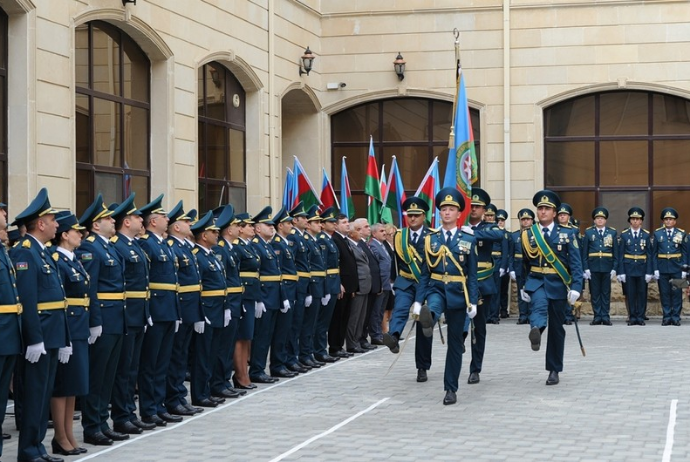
x=287, y=189
x=303, y=190
x=347, y=205
x=372, y=187
x=386, y=216
x=395, y=195
x=461, y=169
x=427, y=191
x=328, y=198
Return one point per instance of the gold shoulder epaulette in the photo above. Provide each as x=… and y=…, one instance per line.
x=292, y=231
x=276, y=239
x=681, y=230
x=235, y=242
x=170, y=242
x=222, y=243
x=306, y=236
x=646, y=231
x=659, y=228
x=56, y=256
x=145, y=236
x=15, y=244
x=611, y=227
x=195, y=250
x=114, y=239
x=255, y=240
x=591, y=227
x=27, y=243
x=49, y=244
x=91, y=238
x=625, y=230
x=434, y=230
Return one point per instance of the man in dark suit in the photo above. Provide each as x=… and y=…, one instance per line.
x=375, y=271
x=350, y=282
x=358, y=305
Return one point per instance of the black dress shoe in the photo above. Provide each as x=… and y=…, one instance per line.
x=47, y=458
x=450, y=398
x=356, y=349
x=225, y=393
x=304, y=366
x=421, y=375
x=392, y=342
x=239, y=392
x=127, y=428
x=326, y=358
x=646, y=318
x=367, y=346
x=535, y=338
x=98, y=439
x=606, y=323
x=81, y=450
x=377, y=341
x=298, y=368
x=310, y=363
x=284, y=373
x=180, y=410
x=239, y=386
x=115, y=435
x=553, y=378
x=143, y=425
x=595, y=323
x=341, y=354
x=195, y=410
x=262, y=378
x=216, y=400
x=154, y=419
x=473, y=378
x=57, y=449
x=676, y=323
x=169, y=418
x=205, y=403
x=426, y=320
x=641, y=323
x=665, y=322
x=317, y=362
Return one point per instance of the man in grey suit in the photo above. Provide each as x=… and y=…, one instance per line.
x=358, y=305
x=378, y=249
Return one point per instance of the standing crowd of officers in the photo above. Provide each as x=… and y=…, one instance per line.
x=129, y=301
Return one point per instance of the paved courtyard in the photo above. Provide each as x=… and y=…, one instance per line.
x=627, y=400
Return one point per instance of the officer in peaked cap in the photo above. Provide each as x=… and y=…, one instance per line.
x=415, y=206
x=634, y=262
x=503, y=282
x=517, y=272
x=670, y=250
x=192, y=214
x=298, y=210
x=501, y=215
x=600, y=264
x=565, y=208
x=564, y=217
x=490, y=213
x=106, y=319
x=153, y=208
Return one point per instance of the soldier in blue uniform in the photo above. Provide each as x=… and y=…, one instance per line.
x=411, y=284
x=634, y=263
x=503, y=283
x=317, y=289
x=72, y=377
x=44, y=323
x=129, y=226
x=564, y=216
x=165, y=313
x=670, y=260
x=499, y=256
x=600, y=263
x=451, y=257
x=517, y=273
x=331, y=255
x=107, y=315
x=551, y=283
x=485, y=234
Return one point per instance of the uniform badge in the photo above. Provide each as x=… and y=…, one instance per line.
x=22, y=266
x=677, y=238
x=464, y=246
x=608, y=241
x=559, y=247
x=575, y=244
x=87, y=256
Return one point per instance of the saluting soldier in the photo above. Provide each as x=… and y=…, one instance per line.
x=107, y=315
x=600, y=263
x=670, y=260
x=129, y=226
x=553, y=269
x=517, y=273
x=451, y=256
x=634, y=262
x=331, y=256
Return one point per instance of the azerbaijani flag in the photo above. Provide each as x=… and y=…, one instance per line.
x=386, y=216
x=328, y=198
x=427, y=191
x=372, y=187
x=303, y=190
x=287, y=189
x=395, y=196
x=461, y=170
x=347, y=206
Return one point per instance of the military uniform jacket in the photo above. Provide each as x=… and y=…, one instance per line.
x=447, y=264
x=538, y=272
x=600, y=253
x=515, y=252
x=38, y=281
x=250, y=262
x=485, y=235
x=317, y=264
x=107, y=272
x=213, y=284
x=188, y=277
x=405, y=280
x=233, y=300
x=635, y=254
x=331, y=255
x=75, y=281
x=500, y=252
x=269, y=274
x=163, y=304
x=669, y=254
x=136, y=279
x=300, y=250
x=286, y=260
x=10, y=323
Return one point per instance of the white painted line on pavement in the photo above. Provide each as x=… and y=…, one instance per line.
x=668, y=450
x=329, y=431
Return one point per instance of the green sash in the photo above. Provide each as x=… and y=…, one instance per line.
x=549, y=256
x=485, y=273
x=407, y=252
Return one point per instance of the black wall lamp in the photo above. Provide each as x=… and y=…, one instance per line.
x=306, y=61
x=399, y=66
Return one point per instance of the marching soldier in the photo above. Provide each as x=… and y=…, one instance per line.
x=451, y=257
x=600, y=262
x=551, y=283
x=517, y=273
x=670, y=260
x=634, y=262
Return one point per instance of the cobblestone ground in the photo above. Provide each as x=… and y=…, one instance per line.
x=614, y=404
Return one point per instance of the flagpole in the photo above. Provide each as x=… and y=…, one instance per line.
x=458, y=70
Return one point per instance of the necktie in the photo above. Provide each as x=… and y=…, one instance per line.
x=670, y=235
x=414, y=238
x=448, y=238
x=635, y=235
x=601, y=233
x=545, y=230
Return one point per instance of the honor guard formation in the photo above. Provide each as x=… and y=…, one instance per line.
x=128, y=301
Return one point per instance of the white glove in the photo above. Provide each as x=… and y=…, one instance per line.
x=525, y=296
x=648, y=278
x=512, y=276
x=613, y=274
x=149, y=321
x=244, y=310
x=286, y=306
x=64, y=353
x=94, y=333
x=326, y=299
x=177, y=325
x=573, y=296
x=472, y=311
x=259, y=309
x=683, y=274
x=587, y=274
x=621, y=278
x=227, y=317
x=501, y=272
x=392, y=291
x=199, y=327
x=656, y=275
x=467, y=229
x=34, y=352
x=416, y=309
x=307, y=301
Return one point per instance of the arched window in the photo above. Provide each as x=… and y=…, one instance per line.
x=222, y=129
x=112, y=115
x=3, y=105
x=620, y=149
x=414, y=130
